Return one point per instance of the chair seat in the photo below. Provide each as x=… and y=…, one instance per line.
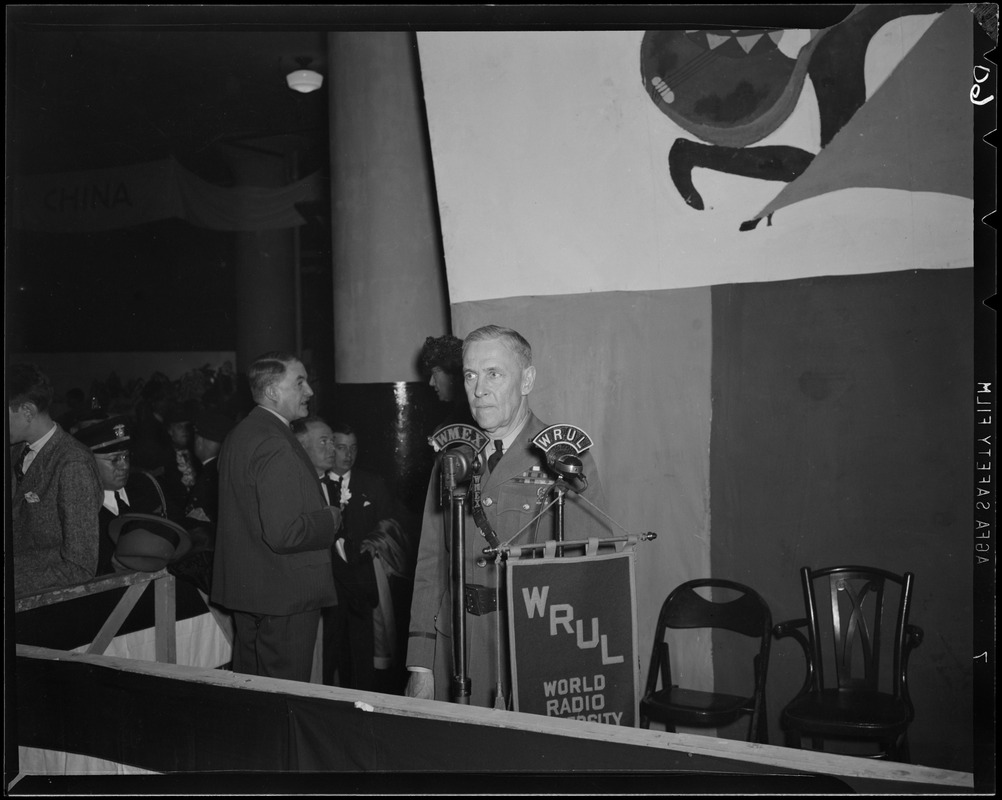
x=834, y=712
x=691, y=707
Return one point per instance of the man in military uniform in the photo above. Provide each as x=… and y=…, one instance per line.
x=510, y=486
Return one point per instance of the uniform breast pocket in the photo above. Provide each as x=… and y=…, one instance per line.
x=517, y=505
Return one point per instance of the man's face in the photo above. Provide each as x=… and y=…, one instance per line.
x=114, y=469
x=203, y=448
x=496, y=386
x=345, y=452
x=318, y=441
x=19, y=421
x=180, y=434
x=293, y=392
x=441, y=382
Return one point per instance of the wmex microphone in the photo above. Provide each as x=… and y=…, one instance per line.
x=457, y=464
x=457, y=446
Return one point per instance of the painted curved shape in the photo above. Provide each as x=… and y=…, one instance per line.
x=716, y=90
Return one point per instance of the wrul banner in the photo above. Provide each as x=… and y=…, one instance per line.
x=573, y=631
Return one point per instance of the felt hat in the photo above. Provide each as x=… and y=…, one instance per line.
x=212, y=424
x=107, y=435
x=178, y=412
x=146, y=542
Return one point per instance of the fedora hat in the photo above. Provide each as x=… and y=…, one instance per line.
x=146, y=542
x=212, y=425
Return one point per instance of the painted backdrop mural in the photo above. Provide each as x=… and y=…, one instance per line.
x=789, y=394
x=731, y=89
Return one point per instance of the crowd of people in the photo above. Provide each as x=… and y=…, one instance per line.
x=270, y=518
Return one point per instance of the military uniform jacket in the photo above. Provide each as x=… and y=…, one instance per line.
x=511, y=497
x=55, y=515
x=274, y=532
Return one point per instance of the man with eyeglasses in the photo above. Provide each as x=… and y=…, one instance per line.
x=55, y=491
x=125, y=490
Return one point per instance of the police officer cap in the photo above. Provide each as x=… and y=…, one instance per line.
x=107, y=436
x=212, y=424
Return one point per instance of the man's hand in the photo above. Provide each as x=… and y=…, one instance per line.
x=421, y=685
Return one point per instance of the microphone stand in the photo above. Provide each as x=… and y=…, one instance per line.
x=460, y=689
x=560, y=491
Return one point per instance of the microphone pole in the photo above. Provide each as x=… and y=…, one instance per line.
x=569, y=468
x=558, y=511
x=460, y=690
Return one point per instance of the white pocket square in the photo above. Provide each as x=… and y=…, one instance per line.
x=366, y=503
x=31, y=497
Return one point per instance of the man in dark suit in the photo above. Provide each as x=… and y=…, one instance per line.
x=350, y=657
x=55, y=491
x=201, y=514
x=272, y=563
x=509, y=488
x=126, y=490
x=210, y=429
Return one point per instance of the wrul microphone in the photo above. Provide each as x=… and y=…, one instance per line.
x=569, y=467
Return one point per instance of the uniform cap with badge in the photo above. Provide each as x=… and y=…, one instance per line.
x=110, y=435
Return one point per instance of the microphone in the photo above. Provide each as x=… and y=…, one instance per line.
x=457, y=464
x=570, y=468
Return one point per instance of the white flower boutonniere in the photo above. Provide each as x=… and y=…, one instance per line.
x=31, y=497
x=185, y=467
x=345, y=495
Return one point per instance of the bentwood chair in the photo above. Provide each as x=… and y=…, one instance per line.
x=855, y=688
x=745, y=613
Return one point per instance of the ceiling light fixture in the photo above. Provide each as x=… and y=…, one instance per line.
x=305, y=80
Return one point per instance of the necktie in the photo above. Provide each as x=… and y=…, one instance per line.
x=19, y=466
x=495, y=456
x=333, y=489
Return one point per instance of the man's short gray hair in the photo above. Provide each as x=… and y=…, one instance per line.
x=512, y=339
x=267, y=369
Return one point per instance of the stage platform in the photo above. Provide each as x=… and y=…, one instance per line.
x=211, y=730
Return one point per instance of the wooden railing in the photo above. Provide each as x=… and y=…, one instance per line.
x=135, y=583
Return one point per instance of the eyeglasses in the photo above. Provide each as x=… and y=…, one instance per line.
x=115, y=458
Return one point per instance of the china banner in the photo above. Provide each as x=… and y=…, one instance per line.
x=573, y=633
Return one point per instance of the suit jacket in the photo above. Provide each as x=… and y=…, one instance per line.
x=511, y=496
x=274, y=534
x=174, y=476
x=370, y=502
x=55, y=511
x=348, y=629
x=204, y=495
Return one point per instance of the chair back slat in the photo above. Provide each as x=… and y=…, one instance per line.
x=744, y=614
x=849, y=637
